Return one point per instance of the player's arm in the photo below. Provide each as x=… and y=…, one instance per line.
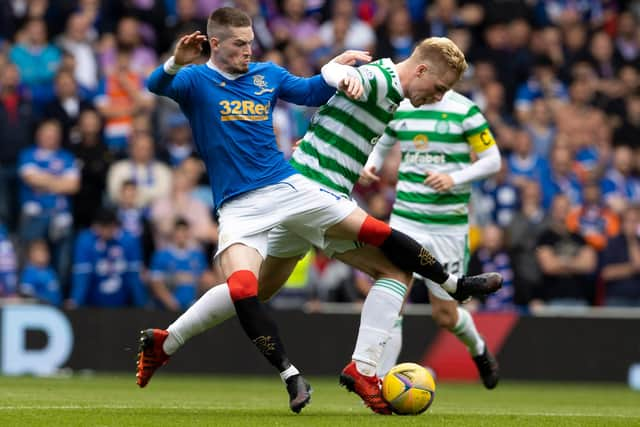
x=316, y=91
x=165, y=79
x=340, y=73
x=370, y=170
x=479, y=137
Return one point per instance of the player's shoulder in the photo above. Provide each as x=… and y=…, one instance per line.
x=378, y=69
x=459, y=100
x=267, y=67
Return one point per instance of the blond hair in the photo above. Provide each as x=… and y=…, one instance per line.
x=441, y=51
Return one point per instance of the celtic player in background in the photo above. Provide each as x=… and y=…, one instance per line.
x=432, y=199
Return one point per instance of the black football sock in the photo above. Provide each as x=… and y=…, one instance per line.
x=409, y=255
x=262, y=330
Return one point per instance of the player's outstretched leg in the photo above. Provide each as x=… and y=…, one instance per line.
x=151, y=356
x=367, y=387
x=487, y=368
x=409, y=255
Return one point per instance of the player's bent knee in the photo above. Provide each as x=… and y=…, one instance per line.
x=266, y=291
x=242, y=284
x=444, y=316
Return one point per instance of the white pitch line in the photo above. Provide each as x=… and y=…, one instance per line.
x=523, y=414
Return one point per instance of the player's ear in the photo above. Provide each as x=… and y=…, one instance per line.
x=421, y=69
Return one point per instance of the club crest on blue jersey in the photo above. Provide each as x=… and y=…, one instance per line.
x=259, y=81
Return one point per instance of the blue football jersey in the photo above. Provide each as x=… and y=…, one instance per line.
x=107, y=273
x=58, y=162
x=180, y=270
x=231, y=120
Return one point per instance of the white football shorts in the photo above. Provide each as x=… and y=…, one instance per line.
x=296, y=203
x=452, y=250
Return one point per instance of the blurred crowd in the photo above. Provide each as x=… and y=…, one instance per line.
x=104, y=201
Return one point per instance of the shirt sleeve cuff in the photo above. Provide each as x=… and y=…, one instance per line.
x=170, y=66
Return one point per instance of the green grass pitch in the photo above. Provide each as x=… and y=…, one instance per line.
x=173, y=400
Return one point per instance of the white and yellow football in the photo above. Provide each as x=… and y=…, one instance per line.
x=409, y=388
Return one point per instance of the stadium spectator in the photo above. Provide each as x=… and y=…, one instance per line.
x=49, y=177
x=178, y=144
x=66, y=105
x=621, y=263
x=121, y=96
x=8, y=265
x=291, y=26
x=495, y=108
x=629, y=131
x=185, y=21
x=521, y=240
x=78, y=40
x=38, y=280
x=194, y=169
x=483, y=73
x=499, y=198
x=128, y=38
x=107, y=266
x=561, y=178
x=37, y=59
x=541, y=127
x=542, y=84
x=627, y=41
x=619, y=188
x=593, y=220
x=261, y=13
x=395, y=39
x=94, y=159
x=566, y=260
x=180, y=203
x=152, y=177
x=177, y=270
x=134, y=220
x=524, y=163
x=352, y=32
x=16, y=119
x=492, y=255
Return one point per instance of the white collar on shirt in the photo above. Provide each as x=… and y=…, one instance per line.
x=228, y=76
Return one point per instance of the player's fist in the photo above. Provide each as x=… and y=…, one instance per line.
x=352, y=87
x=368, y=175
x=440, y=182
x=189, y=48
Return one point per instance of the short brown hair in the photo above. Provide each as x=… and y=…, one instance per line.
x=441, y=50
x=223, y=18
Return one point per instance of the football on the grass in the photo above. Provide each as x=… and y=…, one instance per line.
x=409, y=388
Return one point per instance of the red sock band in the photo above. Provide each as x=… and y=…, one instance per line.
x=373, y=232
x=242, y=284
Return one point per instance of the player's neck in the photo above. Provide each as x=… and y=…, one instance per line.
x=405, y=72
x=214, y=66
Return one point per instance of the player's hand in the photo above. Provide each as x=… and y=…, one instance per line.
x=295, y=145
x=352, y=87
x=350, y=57
x=440, y=182
x=368, y=175
x=189, y=48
